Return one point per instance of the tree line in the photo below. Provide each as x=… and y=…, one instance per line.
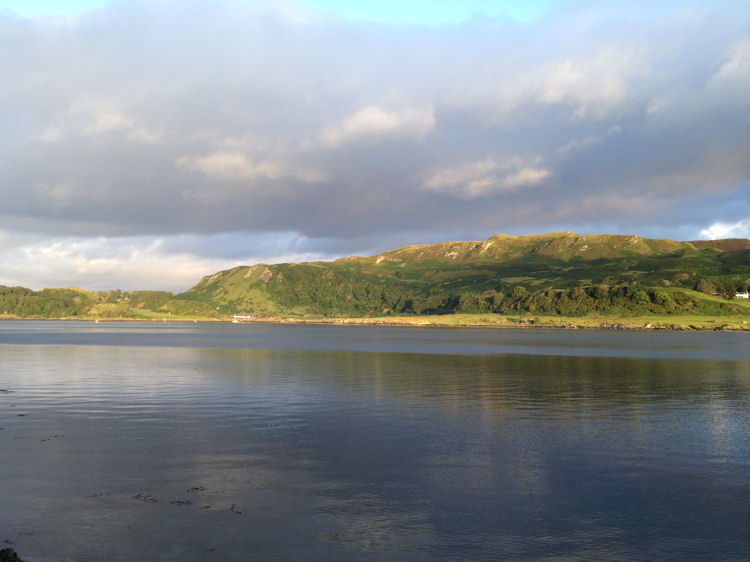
x=351, y=296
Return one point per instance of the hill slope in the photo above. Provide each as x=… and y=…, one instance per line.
x=559, y=273
x=114, y=305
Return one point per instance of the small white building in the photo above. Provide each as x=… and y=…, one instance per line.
x=739, y=295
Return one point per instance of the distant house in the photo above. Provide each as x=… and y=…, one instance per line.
x=739, y=295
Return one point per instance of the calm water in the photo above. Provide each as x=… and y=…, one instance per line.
x=237, y=442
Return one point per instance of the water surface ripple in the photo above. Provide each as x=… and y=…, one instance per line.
x=226, y=442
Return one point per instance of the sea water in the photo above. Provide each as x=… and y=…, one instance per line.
x=135, y=441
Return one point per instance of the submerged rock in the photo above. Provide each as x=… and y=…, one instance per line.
x=9, y=555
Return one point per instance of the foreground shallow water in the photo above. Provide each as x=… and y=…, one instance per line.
x=235, y=442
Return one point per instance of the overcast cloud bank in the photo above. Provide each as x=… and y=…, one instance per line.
x=146, y=144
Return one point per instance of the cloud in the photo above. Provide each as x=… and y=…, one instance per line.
x=483, y=177
x=107, y=123
x=719, y=230
x=156, y=120
x=234, y=177
x=166, y=263
x=230, y=165
x=591, y=86
x=82, y=122
x=737, y=63
x=52, y=135
x=373, y=123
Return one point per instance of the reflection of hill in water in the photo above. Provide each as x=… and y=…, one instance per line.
x=493, y=383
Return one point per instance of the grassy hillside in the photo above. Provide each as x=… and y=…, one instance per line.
x=113, y=305
x=556, y=273
x=548, y=276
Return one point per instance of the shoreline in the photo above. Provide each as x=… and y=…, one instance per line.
x=506, y=322
x=614, y=323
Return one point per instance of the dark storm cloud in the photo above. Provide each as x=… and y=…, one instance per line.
x=190, y=118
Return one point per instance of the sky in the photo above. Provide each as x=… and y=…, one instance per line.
x=147, y=143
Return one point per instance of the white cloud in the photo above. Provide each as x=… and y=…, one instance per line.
x=144, y=135
x=231, y=166
x=719, y=230
x=97, y=118
x=51, y=135
x=737, y=63
x=484, y=177
x=525, y=176
x=108, y=123
x=374, y=122
x=82, y=122
x=588, y=83
x=577, y=144
x=593, y=86
x=236, y=166
x=117, y=263
x=657, y=105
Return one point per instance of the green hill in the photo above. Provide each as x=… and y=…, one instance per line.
x=74, y=303
x=556, y=273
